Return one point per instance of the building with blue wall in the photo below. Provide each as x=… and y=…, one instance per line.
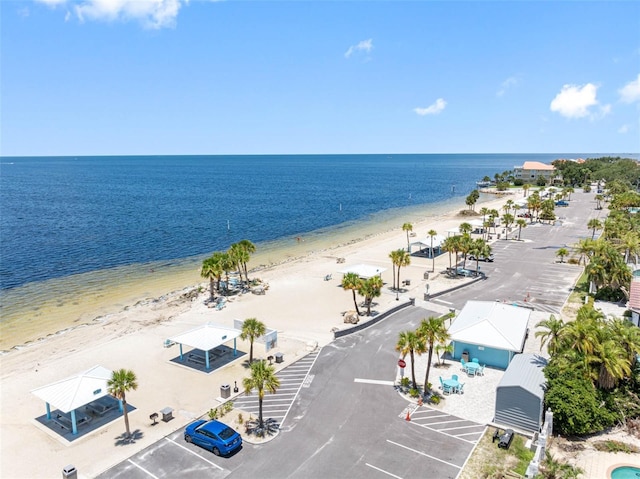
x=490, y=331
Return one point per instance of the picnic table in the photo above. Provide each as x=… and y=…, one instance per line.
x=472, y=367
x=451, y=383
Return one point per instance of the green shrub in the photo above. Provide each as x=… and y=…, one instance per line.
x=609, y=294
x=213, y=413
x=435, y=399
x=404, y=382
x=414, y=393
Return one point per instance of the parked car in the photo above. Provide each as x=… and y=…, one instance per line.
x=213, y=435
x=562, y=203
x=489, y=258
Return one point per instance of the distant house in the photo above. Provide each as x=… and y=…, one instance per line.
x=490, y=331
x=530, y=171
x=520, y=394
x=634, y=298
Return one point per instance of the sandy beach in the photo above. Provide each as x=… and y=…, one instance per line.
x=299, y=304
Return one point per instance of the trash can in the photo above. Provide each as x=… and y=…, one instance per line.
x=225, y=391
x=279, y=357
x=465, y=355
x=69, y=472
x=426, y=275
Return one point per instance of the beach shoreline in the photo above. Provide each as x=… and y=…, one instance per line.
x=60, y=305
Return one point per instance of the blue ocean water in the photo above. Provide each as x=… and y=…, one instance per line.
x=64, y=215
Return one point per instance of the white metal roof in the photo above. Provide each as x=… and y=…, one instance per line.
x=491, y=324
x=207, y=336
x=426, y=242
x=76, y=391
x=363, y=270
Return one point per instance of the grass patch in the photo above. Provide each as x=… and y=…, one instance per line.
x=489, y=461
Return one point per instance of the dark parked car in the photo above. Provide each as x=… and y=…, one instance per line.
x=562, y=203
x=489, y=258
x=213, y=435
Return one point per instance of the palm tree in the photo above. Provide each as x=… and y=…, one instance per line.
x=432, y=234
x=550, y=334
x=409, y=343
x=599, y=199
x=465, y=228
x=555, y=469
x=525, y=189
x=562, y=252
x=521, y=224
x=450, y=247
x=352, y=281
x=263, y=378
x=430, y=332
x=404, y=259
x=239, y=256
x=252, y=329
x=480, y=248
x=209, y=271
x=370, y=288
x=585, y=249
x=122, y=381
x=395, y=261
x=594, y=224
x=507, y=219
x=407, y=227
x=249, y=248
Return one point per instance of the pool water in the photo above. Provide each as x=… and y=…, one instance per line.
x=625, y=472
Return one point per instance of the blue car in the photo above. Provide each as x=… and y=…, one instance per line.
x=213, y=435
x=562, y=203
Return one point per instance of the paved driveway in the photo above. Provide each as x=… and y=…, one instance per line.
x=346, y=420
x=527, y=272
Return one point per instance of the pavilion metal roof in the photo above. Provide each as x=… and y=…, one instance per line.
x=207, y=336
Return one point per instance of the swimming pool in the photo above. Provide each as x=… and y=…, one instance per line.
x=626, y=472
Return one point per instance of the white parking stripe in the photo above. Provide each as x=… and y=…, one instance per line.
x=471, y=433
x=448, y=422
x=194, y=453
x=310, y=368
x=142, y=469
x=423, y=454
x=382, y=470
x=461, y=427
x=373, y=381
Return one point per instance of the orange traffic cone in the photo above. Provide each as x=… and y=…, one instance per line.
x=408, y=418
x=420, y=401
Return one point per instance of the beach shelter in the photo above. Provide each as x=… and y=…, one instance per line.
x=426, y=244
x=520, y=393
x=490, y=331
x=75, y=392
x=206, y=338
x=365, y=271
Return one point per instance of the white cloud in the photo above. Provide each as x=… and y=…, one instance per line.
x=505, y=85
x=624, y=129
x=151, y=13
x=432, y=109
x=574, y=101
x=363, y=46
x=630, y=93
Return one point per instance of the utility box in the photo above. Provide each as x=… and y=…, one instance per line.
x=225, y=391
x=426, y=275
x=69, y=472
x=279, y=357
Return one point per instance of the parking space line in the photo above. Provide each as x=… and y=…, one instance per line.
x=423, y=454
x=447, y=422
x=142, y=469
x=382, y=470
x=459, y=427
x=194, y=453
x=471, y=433
x=442, y=432
x=310, y=368
x=373, y=381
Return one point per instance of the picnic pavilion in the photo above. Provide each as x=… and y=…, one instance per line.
x=68, y=395
x=207, y=338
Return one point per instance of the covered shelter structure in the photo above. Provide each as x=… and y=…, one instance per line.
x=520, y=394
x=206, y=338
x=365, y=271
x=88, y=388
x=490, y=331
x=431, y=244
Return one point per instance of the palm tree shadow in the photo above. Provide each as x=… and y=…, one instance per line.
x=123, y=440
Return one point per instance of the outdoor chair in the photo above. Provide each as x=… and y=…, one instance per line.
x=463, y=364
x=480, y=371
x=461, y=388
x=327, y=277
x=446, y=389
x=454, y=377
x=441, y=382
x=475, y=360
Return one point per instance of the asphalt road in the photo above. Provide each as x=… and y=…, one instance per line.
x=529, y=269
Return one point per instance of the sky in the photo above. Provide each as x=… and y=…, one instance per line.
x=171, y=77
